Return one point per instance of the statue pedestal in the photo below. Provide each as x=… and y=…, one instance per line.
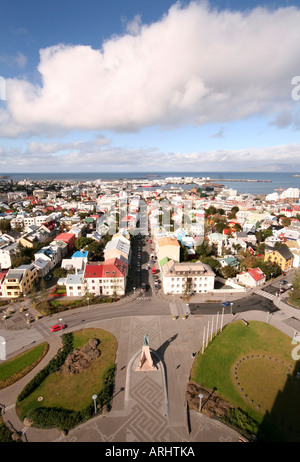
x=146, y=363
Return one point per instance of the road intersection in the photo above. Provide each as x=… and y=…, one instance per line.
x=147, y=407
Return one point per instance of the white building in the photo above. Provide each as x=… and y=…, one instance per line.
x=183, y=278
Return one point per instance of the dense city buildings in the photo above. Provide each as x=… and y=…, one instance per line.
x=199, y=230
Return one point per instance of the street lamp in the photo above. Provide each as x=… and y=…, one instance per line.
x=94, y=397
x=3, y=350
x=200, y=397
x=231, y=307
x=88, y=300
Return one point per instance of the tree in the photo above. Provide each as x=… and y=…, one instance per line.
x=271, y=270
x=286, y=221
x=228, y=272
x=204, y=249
x=5, y=225
x=59, y=273
x=212, y=262
x=82, y=242
x=220, y=226
x=184, y=255
x=95, y=250
x=247, y=260
x=262, y=235
x=237, y=227
x=210, y=211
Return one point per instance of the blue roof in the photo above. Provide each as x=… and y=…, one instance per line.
x=80, y=254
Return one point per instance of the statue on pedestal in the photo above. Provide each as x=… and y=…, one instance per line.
x=146, y=362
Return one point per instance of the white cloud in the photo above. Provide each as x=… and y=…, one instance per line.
x=194, y=66
x=100, y=155
x=20, y=60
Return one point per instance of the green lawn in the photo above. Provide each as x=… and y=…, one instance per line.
x=75, y=392
x=22, y=363
x=262, y=374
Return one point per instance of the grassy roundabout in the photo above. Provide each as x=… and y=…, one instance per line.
x=65, y=401
x=251, y=369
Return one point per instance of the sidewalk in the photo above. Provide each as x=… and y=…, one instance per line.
x=147, y=406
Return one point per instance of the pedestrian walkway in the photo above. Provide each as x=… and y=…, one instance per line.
x=265, y=294
x=147, y=406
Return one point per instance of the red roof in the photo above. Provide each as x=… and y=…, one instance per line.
x=128, y=218
x=114, y=267
x=65, y=237
x=256, y=273
x=2, y=275
x=227, y=231
x=93, y=271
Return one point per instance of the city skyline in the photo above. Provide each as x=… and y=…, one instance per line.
x=104, y=86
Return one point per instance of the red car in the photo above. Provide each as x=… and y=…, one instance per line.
x=57, y=327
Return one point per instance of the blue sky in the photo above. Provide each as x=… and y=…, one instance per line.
x=149, y=86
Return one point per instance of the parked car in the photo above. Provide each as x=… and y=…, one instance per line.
x=143, y=286
x=48, y=277
x=57, y=327
x=282, y=290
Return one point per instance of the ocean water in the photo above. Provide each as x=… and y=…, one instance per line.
x=276, y=180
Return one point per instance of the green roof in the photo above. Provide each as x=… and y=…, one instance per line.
x=163, y=261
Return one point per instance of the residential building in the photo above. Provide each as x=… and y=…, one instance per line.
x=168, y=247
x=19, y=281
x=7, y=252
x=108, y=278
x=68, y=238
x=186, y=278
x=78, y=261
x=75, y=284
x=254, y=277
x=117, y=247
x=282, y=256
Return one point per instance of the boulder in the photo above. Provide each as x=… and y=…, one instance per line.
x=80, y=359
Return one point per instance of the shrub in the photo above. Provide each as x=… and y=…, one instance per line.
x=239, y=419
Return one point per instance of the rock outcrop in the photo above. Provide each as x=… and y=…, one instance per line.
x=80, y=359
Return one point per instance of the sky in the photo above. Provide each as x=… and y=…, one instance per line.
x=145, y=86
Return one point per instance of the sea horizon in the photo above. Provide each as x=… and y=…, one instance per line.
x=254, y=182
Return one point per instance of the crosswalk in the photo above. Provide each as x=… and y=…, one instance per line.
x=265, y=294
x=42, y=329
